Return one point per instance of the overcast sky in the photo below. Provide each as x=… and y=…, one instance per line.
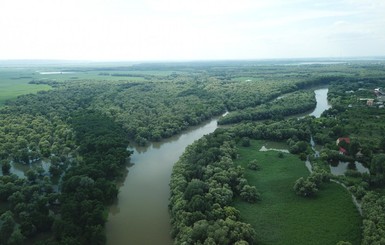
x=190, y=29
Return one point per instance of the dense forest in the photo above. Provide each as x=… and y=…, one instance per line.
x=203, y=185
x=83, y=124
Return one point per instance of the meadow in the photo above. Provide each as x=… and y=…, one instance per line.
x=15, y=82
x=282, y=217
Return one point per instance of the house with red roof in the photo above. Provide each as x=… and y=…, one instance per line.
x=339, y=143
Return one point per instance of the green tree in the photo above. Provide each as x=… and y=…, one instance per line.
x=377, y=169
x=250, y=194
x=7, y=226
x=305, y=187
x=253, y=165
x=5, y=167
x=245, y=141
x=195, y=187
x=16, y=238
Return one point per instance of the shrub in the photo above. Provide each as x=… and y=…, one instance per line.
x=253, y=165
x=305, y=187
x=250, y=194
x=245, y=142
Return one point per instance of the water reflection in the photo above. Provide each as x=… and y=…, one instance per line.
x=20, y=169
x=321, y=96
x=342, y=167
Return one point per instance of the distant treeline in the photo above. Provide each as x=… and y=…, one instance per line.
x=290, y=104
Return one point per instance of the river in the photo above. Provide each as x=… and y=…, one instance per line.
x=140, y=215
x=321, y=96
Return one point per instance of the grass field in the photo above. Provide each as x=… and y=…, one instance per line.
x=14, y=82
x=282, y=217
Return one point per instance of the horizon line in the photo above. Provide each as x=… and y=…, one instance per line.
x=381, y=57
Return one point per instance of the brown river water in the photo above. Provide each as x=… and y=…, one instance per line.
x=140, y=216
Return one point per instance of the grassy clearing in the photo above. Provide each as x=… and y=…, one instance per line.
x=14, y=82
x=285, y=218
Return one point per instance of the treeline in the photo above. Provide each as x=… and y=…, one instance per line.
x=153, y=110
x=163, y=105
x=373, y=206
x=90, y=184
x=203, y=184
x=296, y=129
x=290, y=104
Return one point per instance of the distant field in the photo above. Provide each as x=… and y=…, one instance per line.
x=14, y=81
x=285, y=218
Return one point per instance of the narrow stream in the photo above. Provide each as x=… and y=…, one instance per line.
x=140, y=215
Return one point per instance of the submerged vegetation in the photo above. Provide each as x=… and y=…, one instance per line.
x=223, y=189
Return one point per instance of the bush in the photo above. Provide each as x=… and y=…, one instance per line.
x=353, y=173
x=253, y=165
x=358, y=191
x=305, y=187
x=281, y=155
x=245, y=142
x=303, y=156
x=250, y=194
x=300, y=146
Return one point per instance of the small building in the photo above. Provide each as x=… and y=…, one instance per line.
x=342, y=150
x=369, y=102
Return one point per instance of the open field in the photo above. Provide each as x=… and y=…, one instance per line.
x=15, y=82
x=282, y=217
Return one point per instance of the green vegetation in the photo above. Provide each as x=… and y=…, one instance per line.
x=285, y=218
x=80, y=124
x=15, y=82
x=290, y=104
x=203, y=184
